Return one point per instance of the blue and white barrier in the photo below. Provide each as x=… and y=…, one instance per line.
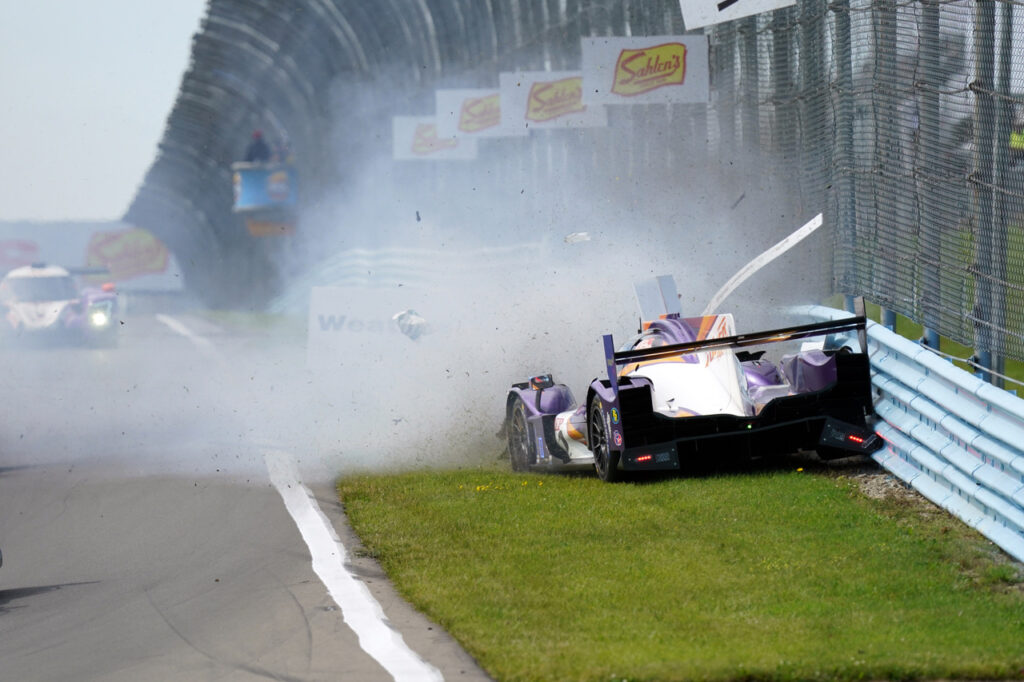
x=956, y=439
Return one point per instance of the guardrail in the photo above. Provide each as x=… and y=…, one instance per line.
x=951, y=436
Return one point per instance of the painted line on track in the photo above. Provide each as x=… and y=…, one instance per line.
x=360, y=610
x=202, y=344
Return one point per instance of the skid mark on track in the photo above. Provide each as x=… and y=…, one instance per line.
x=360, y=610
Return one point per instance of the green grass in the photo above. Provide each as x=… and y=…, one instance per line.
x=778, y=575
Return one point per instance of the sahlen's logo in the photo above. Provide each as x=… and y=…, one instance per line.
x=551, y=99
x=480, y=113
x=649, y=68
x=425, y=140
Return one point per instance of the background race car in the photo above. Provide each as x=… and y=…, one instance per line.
x=44, y=301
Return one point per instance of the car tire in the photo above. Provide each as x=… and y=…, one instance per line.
x=606, y=461
x=521, y=452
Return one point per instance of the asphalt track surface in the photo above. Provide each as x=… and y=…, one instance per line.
x=142, y=536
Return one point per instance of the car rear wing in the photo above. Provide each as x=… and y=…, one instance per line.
x=614, y=359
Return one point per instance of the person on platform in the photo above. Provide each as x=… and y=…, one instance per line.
x=257, y=151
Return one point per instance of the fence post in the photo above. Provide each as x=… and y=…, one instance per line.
x=1001, y=180
x=846, y=183
x=928, y=146
x=749, y=74
x=984, y=124
x=886, y=157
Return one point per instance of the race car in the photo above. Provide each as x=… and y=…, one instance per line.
x=43, y=301
x=684, y=390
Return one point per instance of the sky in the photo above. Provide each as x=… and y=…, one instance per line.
x=85, y=90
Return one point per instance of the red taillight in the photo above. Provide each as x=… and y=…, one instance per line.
x=644, y=458
x=855, y=438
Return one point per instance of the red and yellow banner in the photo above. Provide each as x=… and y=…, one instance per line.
x=643, y=70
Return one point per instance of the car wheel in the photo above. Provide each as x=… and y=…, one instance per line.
x=606, y=462
x=520, y=448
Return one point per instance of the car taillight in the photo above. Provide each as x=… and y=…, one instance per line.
x=854, y=438
x=641, y=459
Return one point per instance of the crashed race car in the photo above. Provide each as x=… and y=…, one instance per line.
x=686, y=391
x=42, y=301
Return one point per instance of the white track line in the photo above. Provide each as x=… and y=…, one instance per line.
x=360, y=610
x=201, y=343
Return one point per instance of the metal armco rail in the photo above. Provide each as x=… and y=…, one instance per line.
x=956, y=439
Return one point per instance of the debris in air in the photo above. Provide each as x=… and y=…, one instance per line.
x=410, y=323
x=577, y=237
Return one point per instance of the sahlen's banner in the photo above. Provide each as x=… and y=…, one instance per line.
x=415, y=138
x=133, y=257
x=547, y=99
x=473, y=113
x=699, y=13
x=647, y=70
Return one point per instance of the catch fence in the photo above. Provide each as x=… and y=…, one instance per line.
x=900, y=120
x=905, y=120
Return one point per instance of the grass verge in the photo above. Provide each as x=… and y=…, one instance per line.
x=774, y=575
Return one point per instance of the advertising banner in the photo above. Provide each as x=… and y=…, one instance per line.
x=258, y=186
x=415, y=138
x=547, y=99
x=649, y=70
x=700, y=13
x=135, y=258
x=472, y=114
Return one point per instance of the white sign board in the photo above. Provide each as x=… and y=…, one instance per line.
x=648, y=70
x=472, y=114
x=415, y=138
x=354, y=326
x=547, y=99
x=699, y=13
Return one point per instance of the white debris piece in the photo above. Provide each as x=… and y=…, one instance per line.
x=410, y=323
x=577, y=237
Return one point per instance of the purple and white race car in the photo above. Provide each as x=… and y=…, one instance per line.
x=684, y=390
x=43, y=301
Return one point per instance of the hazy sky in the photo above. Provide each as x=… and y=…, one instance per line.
x=85, y=90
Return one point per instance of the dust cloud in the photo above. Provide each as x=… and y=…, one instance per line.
x=507, y=295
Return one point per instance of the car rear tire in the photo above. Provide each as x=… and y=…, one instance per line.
x=606, y=461
x=520, y=448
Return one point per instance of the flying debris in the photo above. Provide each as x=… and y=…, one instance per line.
x=410, y=323
x=577, y=237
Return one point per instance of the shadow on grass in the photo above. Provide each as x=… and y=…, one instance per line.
x=806, y=461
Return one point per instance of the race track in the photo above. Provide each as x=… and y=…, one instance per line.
x=142, y=536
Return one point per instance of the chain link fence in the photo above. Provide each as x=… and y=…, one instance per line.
x=904, y=120
x=901, y=120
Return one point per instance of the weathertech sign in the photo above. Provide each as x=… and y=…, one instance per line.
x=550, y=100
x=643, y=70
x=650, y=70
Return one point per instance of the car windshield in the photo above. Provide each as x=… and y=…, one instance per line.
x=42, y=289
